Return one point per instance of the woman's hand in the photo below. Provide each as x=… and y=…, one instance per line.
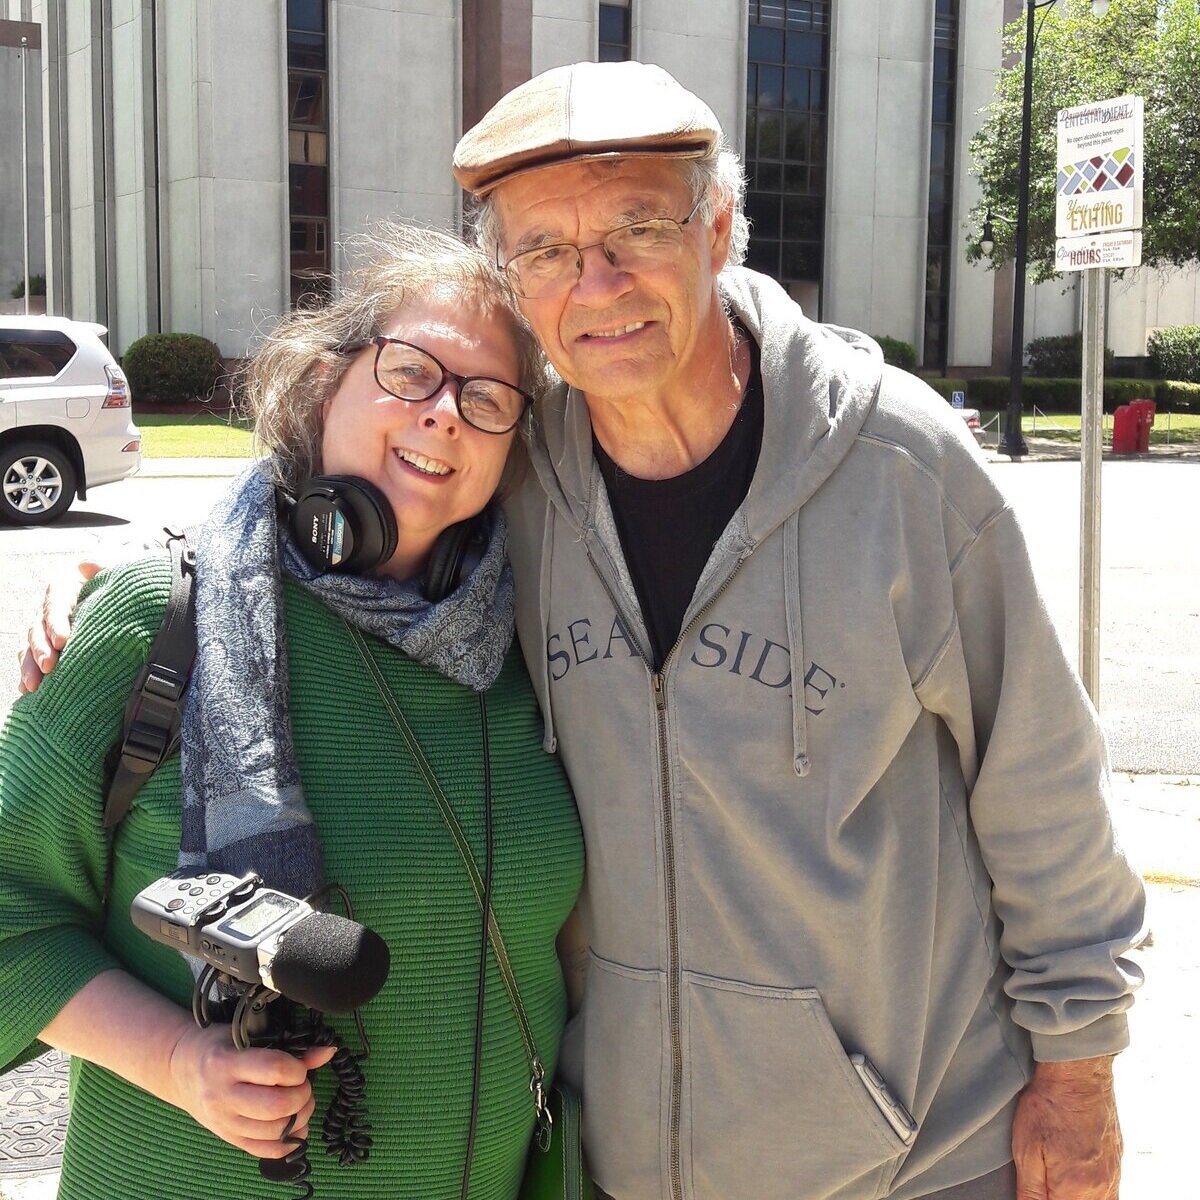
x=245, y=1097
x=48, y=633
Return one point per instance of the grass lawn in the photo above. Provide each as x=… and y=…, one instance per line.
x=198, y=435
x=1168, y=429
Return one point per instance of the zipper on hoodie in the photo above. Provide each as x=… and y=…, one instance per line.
x=674, y=1020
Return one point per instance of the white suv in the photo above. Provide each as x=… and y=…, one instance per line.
x=65, y=420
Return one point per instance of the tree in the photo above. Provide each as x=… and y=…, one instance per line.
x=1148, y=48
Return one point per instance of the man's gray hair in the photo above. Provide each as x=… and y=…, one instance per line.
x=715, y=182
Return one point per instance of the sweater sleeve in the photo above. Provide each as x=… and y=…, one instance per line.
x=1033, y=753
x=53, y=848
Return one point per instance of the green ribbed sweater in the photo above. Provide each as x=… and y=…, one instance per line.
x=382, y=840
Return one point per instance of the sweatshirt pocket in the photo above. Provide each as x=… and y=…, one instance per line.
x=625, y=1014
x=776, y=1109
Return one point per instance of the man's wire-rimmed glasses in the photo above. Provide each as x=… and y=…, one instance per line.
x=553, y=269
x=410, y=373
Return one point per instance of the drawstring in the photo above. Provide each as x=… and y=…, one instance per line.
x=791, y=604
x=549, y=741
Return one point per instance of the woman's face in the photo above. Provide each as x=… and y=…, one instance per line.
x=434, y=468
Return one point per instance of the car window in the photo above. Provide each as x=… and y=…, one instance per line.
x=30, y=353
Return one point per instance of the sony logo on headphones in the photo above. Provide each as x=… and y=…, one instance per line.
x=316, y=530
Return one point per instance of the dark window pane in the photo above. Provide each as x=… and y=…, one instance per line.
x=767, y=177
x=943, y=103
x=770, y=12
x=796, y=148
x=946, y=8
x=937, y=187
x=816, y=91
x=308, y=190
x=34, y=353
x=816, y=140
x=805, y=49
x=939, y=142
x=752, y=85
x=800, y=261
x=769, y=135
x=763, y=211
x=770, y=87
x=795, y=178
x=306, y=50
x=802, y=216
x=816, y=177
x=933, y=344
x=766, y=45
x=611, y=53
x=943, y=63
x=306, y=100
x=614, y=24
x=306, y=14
x=935, y=266
x=751, y=132
x=763, y=256
x=311, y=291
x=797, y=88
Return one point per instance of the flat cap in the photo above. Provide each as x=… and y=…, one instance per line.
x=586, y=110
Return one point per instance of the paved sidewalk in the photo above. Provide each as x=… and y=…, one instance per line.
x=1158, y=821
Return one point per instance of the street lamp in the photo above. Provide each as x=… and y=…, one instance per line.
x=1014, y=443
x=987, y=240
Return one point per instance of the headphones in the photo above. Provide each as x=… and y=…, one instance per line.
x=346, y=524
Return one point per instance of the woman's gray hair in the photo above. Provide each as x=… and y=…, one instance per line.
x=715, y=182
x=301, y=362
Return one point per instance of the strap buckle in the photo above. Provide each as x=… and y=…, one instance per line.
x=544, y=1125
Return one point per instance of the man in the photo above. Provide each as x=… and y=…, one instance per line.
x=854, y=922
x=854, y=914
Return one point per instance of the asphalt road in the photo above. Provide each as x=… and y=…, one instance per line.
x=1150, y=597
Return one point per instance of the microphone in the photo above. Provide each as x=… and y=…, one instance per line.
x=328, y=963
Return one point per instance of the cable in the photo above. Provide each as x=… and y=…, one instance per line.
x=483, y=947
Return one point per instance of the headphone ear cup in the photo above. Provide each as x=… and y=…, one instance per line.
x=343, y=523
x=456, y=553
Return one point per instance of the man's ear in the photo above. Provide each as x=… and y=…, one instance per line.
x=721, y=234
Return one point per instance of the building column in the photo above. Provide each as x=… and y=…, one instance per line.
x=497, y=52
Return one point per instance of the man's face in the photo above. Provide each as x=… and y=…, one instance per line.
x=618, y=333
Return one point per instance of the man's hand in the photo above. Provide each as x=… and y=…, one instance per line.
x=48, y=635
x=1066, y=1139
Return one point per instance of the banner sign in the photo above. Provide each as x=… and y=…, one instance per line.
x=1116, y=250
x=1099, y=186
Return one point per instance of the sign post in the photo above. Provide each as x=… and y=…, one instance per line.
x=1098, y=223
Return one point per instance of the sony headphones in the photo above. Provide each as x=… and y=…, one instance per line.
x=343, y=523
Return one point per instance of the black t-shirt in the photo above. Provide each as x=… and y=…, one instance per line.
x=668, y=526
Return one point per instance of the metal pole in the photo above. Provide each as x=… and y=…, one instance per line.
x=1014, y=443
x=1095, y=304
x=24, y=172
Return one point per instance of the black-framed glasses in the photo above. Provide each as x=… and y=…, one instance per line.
x=410, y=373
x=552, y=270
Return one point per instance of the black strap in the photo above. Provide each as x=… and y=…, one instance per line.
x=150, y=733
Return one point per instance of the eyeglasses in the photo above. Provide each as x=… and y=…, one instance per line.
x=552, y=270
x=410, y=373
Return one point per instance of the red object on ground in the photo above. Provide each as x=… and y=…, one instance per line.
x=1144, y=411
x=1125, y=431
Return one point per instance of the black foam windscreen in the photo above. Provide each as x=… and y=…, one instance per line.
x=330, y=963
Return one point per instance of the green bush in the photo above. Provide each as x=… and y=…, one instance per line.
x=1059, y=357
x=172, y=368
x=1055, y=395
x=1174, y=395
x=988, y=391
x=1175, y=353
x=898, y=353
x=946, y=387
x=1121, y=391
x=37, y=287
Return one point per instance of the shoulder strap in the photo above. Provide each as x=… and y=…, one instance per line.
x=150, y=732
x=537, y=1078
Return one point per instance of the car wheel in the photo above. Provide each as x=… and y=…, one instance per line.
x=37, y=483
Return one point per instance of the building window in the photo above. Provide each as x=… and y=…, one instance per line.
x=615, y=36
x=308, y=149
x=939, y=252
x=786, y=118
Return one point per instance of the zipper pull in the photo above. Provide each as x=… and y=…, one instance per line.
x=660, y=699
x=544, y=1123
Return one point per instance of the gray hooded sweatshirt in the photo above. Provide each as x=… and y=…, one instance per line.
x=860, y=810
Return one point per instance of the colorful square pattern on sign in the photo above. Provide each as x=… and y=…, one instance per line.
x=1103, y=173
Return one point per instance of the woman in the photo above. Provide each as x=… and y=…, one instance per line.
x=413, y=381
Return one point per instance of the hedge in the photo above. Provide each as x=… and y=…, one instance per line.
x=1175, y=353
x=946, y=387
x=1060, y=357
x=1055, y=395
x=898, y=353
x=172, y=368
x=1174, y=395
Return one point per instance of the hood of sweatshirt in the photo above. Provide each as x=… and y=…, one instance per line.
x=820, y=383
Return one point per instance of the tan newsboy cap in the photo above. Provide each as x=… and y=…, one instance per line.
x=586, y=110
